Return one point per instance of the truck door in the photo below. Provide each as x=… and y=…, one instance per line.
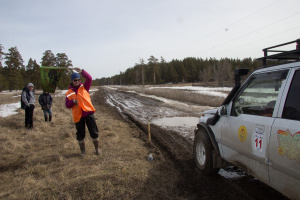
x=284, y=150
x=246, y=133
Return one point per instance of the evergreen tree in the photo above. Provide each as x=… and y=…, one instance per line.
x=173, y=76
x=163, y=70
x=180, y=70
x=33, y=73
x=63, y=61
x=1, y=55
x=48, y=60
x=36, y=75
x=29, y=65
x=153, y=63
x=13, y=66
x=2, y=79
x=190, y=66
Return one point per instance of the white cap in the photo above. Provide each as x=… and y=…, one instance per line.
x=30, y=84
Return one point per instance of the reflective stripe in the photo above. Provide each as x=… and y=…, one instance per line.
x=70, y=94
x=84, y=102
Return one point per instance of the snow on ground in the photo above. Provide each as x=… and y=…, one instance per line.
x=211, y=91
x=9, y=109
x=11, y=92
x=232, y=173
x=60, y=93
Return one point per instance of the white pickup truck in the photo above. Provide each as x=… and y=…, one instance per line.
x=257, y=127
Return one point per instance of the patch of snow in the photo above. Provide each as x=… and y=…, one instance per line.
x=12, y=92
x=197, y=88
x=211, y=91
x=92, y=91
x=112, y=88
x=60, y=93
x=9, y=109
x=177, y=121
x=230, y=173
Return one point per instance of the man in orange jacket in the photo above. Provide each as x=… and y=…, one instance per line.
x=78, y=99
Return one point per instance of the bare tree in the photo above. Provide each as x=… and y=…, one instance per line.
x=142, y=62
x=223, y=69
x=205, y=74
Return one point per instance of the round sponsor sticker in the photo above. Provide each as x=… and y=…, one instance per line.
x=242, y=133
x=281, y=151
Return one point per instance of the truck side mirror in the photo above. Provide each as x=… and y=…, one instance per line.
x=223, y=110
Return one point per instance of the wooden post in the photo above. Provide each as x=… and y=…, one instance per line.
x=149, y=133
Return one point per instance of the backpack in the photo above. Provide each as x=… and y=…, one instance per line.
x=23, y=106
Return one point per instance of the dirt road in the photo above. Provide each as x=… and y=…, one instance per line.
x=177, y=143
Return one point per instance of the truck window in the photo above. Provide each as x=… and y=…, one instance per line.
x=259, y=95
x=291, y=108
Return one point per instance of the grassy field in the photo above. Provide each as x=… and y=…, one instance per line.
x=44, y=163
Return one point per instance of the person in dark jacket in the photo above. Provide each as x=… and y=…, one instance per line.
x=45, y=101
x=28, y=100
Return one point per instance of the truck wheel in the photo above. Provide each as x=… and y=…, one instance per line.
x=203, y=154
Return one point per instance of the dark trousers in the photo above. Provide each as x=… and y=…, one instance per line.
x=29, y=115
x=90, y=123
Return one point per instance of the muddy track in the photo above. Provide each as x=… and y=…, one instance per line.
x=193, y=185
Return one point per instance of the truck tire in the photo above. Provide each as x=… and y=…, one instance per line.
x=203, y=155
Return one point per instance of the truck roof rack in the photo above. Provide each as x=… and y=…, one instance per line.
x=289, y=56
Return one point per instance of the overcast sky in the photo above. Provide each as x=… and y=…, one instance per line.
x=106, y=37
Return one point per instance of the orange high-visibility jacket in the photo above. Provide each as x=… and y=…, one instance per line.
x=84, y=102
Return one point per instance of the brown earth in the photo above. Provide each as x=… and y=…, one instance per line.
x=44, y=163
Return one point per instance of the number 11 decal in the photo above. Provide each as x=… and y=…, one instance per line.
x=258, y=142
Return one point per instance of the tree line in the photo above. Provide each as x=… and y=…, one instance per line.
x=188, y=70
x=14, y=75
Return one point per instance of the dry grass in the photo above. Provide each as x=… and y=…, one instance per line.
x=178, y=95
x=43, y=163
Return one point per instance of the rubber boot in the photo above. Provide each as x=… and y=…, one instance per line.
x=50, y=118
x=96, y=144
x=46, y=118
x=82, y=147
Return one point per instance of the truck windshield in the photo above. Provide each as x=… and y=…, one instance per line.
x=259, y=95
